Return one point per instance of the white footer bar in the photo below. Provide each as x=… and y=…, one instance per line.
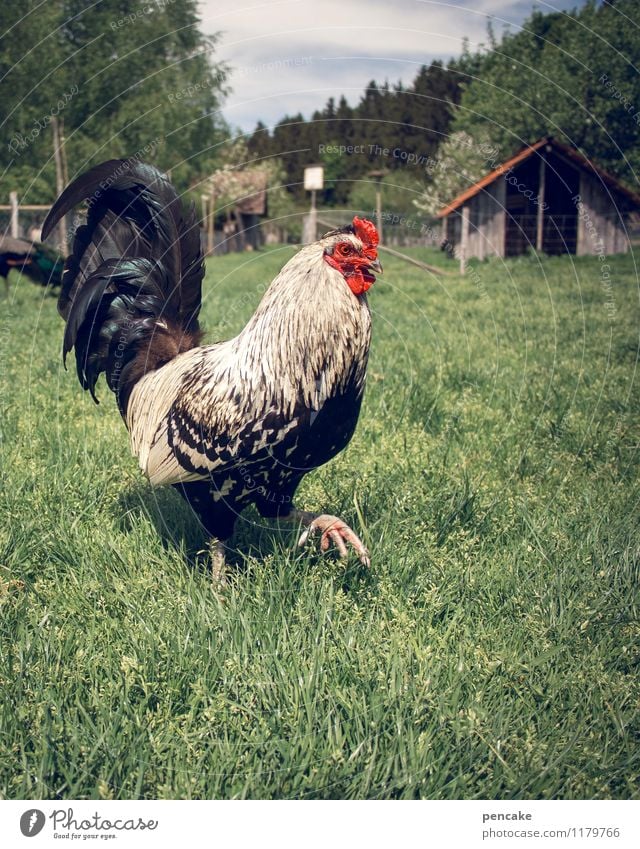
x=310, y=824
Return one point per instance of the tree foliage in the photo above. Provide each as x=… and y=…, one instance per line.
x=138, y=76
x=462, y=160
x=127, y=77
x=237, y=177
x=571, y=75
x=390, y=127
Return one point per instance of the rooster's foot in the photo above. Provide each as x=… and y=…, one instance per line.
x=334, y=530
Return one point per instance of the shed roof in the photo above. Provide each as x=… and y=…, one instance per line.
x=571, y=153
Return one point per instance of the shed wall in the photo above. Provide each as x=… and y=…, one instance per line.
x=601, y=226
x=487, y=222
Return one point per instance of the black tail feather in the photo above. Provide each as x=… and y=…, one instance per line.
x=131, y=289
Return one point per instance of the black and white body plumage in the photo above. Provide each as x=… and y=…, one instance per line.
x=229, y=424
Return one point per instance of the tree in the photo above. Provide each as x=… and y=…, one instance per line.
x=31, y=49
x=132, y=77
x=238, y=176
x=462, y=160
x=571, y=75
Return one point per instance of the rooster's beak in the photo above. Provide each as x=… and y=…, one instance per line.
x=375, y=266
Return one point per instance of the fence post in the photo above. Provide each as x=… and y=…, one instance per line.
x=309, y=227
x=211, y=222
x=540, y=210
x=58, y=154
x=464, y=238
x=15, y=223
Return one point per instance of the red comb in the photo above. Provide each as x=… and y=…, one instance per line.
x=366, y=231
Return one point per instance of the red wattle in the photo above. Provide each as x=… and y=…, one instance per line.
x=357, y=283
x=355, y=277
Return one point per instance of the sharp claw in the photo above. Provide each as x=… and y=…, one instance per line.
x=339, y=544
x=335, y=531
x=304, y=536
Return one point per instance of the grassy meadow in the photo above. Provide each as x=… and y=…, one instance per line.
x=492, y=650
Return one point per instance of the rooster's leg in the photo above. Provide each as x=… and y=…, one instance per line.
x=332, y=530
x=217, y=518
x=218, y=562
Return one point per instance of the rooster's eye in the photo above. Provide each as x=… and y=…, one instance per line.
x=345, y=249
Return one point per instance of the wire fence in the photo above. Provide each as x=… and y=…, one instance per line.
x=24, y=221
x=399, y=230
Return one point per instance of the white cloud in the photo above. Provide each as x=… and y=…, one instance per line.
x=292, y=55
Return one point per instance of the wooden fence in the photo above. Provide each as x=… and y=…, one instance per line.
x=16, y=228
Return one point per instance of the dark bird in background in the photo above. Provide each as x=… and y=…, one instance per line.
x=42, y=264
x=237, y=422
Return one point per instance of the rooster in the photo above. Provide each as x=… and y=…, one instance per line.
x=237, y=422
x=39, y=262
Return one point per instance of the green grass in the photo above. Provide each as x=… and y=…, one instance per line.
x=492, y=651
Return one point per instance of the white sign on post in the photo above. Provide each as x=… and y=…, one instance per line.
x=314, y=178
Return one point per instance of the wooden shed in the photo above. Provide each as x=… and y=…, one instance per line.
x=549, y=197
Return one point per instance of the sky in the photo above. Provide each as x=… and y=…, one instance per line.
x=290, y=56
